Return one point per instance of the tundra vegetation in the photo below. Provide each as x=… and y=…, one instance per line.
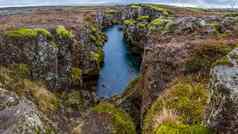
x=178, y=46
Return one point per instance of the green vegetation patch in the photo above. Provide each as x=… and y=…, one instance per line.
x=185, y=97
x=21, y=70
x=28, y=33
x=129, y=22
x=76, y=75
x=181, y=129
x=142, y=18
x=135, y=6
x=122, y=122
x=223, y=61
x=159, y=22
x=73, y=100
x=37, y=92
x=97, y=56
x=203, y=57
x=62, y=32
x=97, y=36
x=160, y=8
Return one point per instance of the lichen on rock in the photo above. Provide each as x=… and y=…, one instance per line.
x=222, y=110
x=20, y=115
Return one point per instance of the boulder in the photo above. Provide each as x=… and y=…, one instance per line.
x=20, y=116
x=222, y=112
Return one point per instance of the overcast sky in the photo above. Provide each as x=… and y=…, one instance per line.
x=194, y=3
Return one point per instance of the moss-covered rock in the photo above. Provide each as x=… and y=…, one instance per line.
x=106, y=118
x=129, y=22
x=185, y=97
x=62, y=32
x=21, y=70
x=143, y=18
x=28, y=33
x=21, y=116
x=97, y=56
x=158, y=24
x=76, y=74
x=73, y=101
x=204, y=56
x=122, y=122
x=181, y=129
x=45, y=100
x=160, y=8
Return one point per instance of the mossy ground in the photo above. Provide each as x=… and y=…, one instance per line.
x=203, y=57
x=73, y=101
x=122, y=122
x=17, y=81
x=181, y=129
x=186, y=97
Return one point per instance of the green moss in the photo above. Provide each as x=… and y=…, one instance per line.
x=159, y=22
x=36, y=92
x=160, y=8
x=43, y=32
x=129, y=22
x=130, y=88
x=142, y=18
x=76, y=75
x=97, y=36
x=142, y=26
x=46, y=100
x=186, y=97
x=28, y=33
x=62, y=32
x=231, y=15
x=97, y=56
x=21, y=70
x=223, y=61
x=122, y=122
x=216, y=27
x=73, y=100
x=181, y=129
x=135, y=6
x=203, y=57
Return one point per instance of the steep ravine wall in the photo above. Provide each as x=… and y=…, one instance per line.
x=53, y=72
x=172, y=47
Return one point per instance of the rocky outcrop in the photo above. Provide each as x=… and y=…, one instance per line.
x=56, y=57
x=37, y=48
x=105, y=118
x=222, y=112
x=20, y=116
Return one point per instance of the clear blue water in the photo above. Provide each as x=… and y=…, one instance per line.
x=119, y=68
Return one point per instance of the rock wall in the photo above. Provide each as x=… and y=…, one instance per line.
x=20, y=116
x=222, y=111
x=57, y=56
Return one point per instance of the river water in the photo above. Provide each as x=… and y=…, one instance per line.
x=120, y=67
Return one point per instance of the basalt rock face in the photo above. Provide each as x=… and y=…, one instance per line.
x=47, y=60
x=20, y=116
x=57, y=59
x=222, y=112
x=169, y=48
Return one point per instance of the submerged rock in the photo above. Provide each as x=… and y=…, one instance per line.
x=222, y=112
x=20, y=116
